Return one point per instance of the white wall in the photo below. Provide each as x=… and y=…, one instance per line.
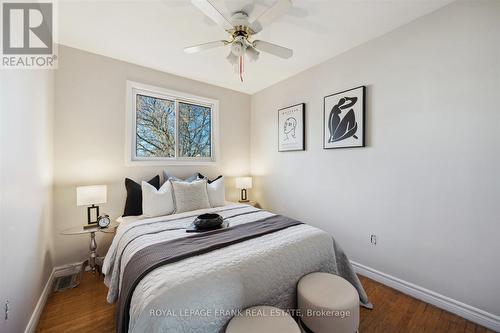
x=428, y=182
x=90, y=138
x=26, y=249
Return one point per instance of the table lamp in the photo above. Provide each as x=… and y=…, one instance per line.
x=243, y=183
x=91, y=196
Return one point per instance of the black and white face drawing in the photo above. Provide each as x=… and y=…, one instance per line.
x=289, y=128
x=345, y=127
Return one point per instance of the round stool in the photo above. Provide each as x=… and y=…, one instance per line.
x=328, y=303
x=262, y=319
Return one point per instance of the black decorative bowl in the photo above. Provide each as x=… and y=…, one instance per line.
x=208, y=221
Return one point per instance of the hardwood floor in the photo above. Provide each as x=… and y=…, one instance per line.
x=84, y=309
x=396, y=312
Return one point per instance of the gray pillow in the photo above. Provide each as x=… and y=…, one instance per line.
x=167, y=177
x=190, y=196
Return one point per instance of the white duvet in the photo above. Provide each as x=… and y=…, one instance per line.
x=201, y=293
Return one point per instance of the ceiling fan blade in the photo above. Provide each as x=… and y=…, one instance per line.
x=205, y=46
x=273, y=49
x=276, y=10
x=211, y=11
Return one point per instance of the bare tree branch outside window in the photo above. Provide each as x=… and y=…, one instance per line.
x=195, y=129
x=155, y=127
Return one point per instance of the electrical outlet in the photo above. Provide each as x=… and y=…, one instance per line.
x=373, y=239
x=6, y=310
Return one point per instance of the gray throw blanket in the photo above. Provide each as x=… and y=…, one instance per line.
x=156, y=255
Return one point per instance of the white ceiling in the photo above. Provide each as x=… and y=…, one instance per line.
x=154, y=33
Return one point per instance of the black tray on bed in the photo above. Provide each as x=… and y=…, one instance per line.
x=207, y=222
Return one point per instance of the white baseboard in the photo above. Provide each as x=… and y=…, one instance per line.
x=463, y=310
x=31, y=327
x=56, y=272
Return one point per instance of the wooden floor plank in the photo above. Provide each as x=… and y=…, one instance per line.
x=444, y=322
x=84, y=309
x=432, y=318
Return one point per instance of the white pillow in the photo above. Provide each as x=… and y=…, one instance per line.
x=190, y=196
x=157, y=202
x=216, y=192
x=130, y=219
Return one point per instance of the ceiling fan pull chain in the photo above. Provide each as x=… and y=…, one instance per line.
x=241, y=68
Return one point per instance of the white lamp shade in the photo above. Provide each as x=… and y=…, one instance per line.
x=244, y=182
x=91, y=195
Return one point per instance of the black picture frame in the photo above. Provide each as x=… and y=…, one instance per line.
x=362, y=130
x=303, y=146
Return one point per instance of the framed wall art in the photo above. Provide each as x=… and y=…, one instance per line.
x=291, y=128
x=344, y=119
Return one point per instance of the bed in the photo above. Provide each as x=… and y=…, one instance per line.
x=200, y=293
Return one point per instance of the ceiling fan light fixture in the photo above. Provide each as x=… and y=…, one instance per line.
x=233, y=59
x=253, y=54
x=237, y=48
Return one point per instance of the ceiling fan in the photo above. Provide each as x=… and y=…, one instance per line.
x=241, y=31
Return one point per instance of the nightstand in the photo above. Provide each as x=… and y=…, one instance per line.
x=91, y=261
x=251, y=203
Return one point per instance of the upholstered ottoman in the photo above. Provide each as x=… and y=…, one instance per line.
x=262, y=319
x=328, y=304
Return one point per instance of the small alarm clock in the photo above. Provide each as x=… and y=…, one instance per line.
x=103, y=221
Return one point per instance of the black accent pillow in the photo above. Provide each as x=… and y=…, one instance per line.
x=133, y=204
x=208, y=180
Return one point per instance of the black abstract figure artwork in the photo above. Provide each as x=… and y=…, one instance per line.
x=345, y=127
x=344, y=119
x=291, y=128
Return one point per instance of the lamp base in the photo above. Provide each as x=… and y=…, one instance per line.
x=243, y=201
x=92, y=214
x=244, y=197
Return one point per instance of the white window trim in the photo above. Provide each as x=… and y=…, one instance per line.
x=130, y=157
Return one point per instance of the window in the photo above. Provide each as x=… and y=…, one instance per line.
x=165, y=126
